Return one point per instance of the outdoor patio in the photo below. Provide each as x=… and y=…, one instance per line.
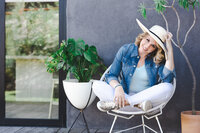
x=4, y=129
x=34, y=101
x=41, y=130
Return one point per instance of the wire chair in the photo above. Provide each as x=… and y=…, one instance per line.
x=129, y=112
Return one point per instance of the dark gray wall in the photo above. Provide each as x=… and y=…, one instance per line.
x=108, y=24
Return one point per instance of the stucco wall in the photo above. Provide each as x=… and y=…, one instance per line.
x=108, y=24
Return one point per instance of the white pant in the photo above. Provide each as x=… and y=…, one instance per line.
x=157, y=94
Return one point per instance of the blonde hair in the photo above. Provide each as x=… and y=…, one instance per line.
x=158, y=55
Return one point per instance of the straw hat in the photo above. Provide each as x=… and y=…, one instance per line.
x=157, y=32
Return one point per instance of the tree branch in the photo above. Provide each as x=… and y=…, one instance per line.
x=166, y=23
x=167, y=27
x=173, y=2
x=178, y=28
x=194, y=80
x=175, y=44
x=194, y=21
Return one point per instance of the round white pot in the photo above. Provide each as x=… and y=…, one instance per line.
x=78, y=93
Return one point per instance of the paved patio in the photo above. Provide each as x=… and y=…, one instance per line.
x=13, y=129
x=4, y=129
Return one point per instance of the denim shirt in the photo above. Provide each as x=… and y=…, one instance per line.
x=126, y=61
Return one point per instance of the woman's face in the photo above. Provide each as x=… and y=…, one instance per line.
x=147, y=45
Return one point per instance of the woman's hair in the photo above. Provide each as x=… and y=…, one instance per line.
x=158, y=55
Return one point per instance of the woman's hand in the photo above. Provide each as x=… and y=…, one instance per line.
x=168, y=38
x=119, y=97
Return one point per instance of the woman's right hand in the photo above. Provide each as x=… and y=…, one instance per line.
x=119, y=97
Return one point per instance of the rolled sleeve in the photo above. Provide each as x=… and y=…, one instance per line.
x=167, y=75
x=110, y=77
x=166, y=71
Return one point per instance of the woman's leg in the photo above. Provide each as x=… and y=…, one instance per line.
x=157, y=94
x=103, y=91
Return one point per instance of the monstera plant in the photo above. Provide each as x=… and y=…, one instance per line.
x=77, y=58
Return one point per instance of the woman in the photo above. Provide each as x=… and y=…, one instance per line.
x=142, y=65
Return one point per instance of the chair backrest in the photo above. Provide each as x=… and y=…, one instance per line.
x=173, y=83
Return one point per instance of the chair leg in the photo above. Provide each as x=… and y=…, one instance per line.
x=143, y=123
x=113, y=124
x=159, y=124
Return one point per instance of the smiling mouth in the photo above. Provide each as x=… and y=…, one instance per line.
x=144, y=48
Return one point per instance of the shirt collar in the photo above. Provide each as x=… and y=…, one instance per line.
x=135, y=50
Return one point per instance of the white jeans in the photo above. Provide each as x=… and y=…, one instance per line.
x=157, y=94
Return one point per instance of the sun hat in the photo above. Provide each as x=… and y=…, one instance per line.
x=157, y=32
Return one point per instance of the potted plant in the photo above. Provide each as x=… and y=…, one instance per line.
x=82, y=62
x=190, y=120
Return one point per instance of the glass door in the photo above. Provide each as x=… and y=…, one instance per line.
x=31, y=34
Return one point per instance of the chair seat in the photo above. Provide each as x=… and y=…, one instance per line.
x=128, y=110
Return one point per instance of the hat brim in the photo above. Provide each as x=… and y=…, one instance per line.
x=144, y=29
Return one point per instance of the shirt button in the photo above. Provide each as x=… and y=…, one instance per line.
x=138, y=56
x=134, y=65
x=130, y=74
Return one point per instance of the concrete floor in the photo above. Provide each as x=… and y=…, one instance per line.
x=5, y=129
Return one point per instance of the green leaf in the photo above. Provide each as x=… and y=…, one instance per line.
x=88, y=55
x=68, y=74
x=71, y=41
x=63, y=43
x=184, y=4
x=142, y=10
x=91, y=55
x=159, y=5
x=81, y=44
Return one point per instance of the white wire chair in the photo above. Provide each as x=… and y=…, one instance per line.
x=129, y=112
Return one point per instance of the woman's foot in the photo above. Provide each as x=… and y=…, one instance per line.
x=106, y=106
x=145, y=106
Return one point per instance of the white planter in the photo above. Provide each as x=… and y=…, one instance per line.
x=78, y=93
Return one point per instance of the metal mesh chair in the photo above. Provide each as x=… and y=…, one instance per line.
x=129, y=112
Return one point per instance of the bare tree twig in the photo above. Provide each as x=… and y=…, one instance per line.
x=173, y=2
x=166, y=23
x=150, y=8
x=175, y=43
x=178, y=28
x=167, y=27
x=167, y=6
x=194, y=21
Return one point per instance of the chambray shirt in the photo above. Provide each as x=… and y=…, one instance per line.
x=126, y=61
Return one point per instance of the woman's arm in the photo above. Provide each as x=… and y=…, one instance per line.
x=112, y=76
x=169, y=64
x=119, y=96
